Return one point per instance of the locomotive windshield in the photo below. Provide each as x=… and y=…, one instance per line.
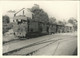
x=20, y=21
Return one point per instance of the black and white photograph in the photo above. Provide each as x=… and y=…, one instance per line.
x=39, y=28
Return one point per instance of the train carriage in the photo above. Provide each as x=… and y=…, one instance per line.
x=52, y=28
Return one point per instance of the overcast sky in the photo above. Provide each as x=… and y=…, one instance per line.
x=38, y=0
x=58, y=9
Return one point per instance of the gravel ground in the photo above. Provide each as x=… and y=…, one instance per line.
x=69, y=45
x=8, y=36
x=63, y=47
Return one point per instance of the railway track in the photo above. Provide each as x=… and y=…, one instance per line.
x=10, y=46
x=33, y=47
x=8, y=42
x=37, y=45
x=17, y=39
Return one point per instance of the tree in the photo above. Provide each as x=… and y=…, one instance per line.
x=73, y=21
x=60, y=23
x=39, y=14
x=64, y=22
x=6, y=19
x=35, y=7
x=52, y=20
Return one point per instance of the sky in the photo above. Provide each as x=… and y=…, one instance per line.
x=47, y=0
x=61, y=10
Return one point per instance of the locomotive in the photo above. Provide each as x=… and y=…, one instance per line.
x=26, y=26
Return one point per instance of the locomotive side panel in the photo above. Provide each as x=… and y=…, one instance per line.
x=33, y=26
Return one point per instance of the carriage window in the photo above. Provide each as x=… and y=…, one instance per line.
x=16, y=20
x=24, y=21
x=19, y=21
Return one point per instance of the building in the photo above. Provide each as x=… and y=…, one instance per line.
x=69, y=28
x=11, y=13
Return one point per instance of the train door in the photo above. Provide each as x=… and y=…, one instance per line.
x=40, y=27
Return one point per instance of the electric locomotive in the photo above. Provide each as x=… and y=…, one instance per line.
x=26, y=26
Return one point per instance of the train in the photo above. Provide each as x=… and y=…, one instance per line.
x=24, y=26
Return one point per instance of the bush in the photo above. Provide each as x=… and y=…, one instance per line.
x=7, y=27
x=6, y=19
